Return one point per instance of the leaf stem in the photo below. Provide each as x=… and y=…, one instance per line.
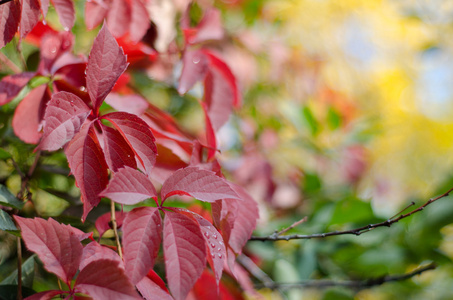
x=115, y=228
x=19, y=269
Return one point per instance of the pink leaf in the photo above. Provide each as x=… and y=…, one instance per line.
x=142, y=236
x=117, y=151
x=55, y=244
x=88, y=166
x=195, y=67
x=64, y=116
x=9, y=21
x=105, y=65
x=66, y=12
x=11, y=85
x=29, y=16
x=46, y=295
x=139, y=136
x=103, y=222
x=152, y=291
x=105, y=279
x=54, y=45
x=80, y=234
x=210, y=134
x=44, y=7
x=184, y=252
x=216, y=252
x=133, y=104
x=29, y=113
x=201, y=184
x=129, y=186
x=95, y=12
x=140, y=20
x=119, y=17
x=210, y=28
x=94, y=251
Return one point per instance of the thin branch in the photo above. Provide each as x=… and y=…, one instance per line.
x=284, y=230
x=356, y=284
x=4, y=59
x=253, y=269
x=19, y=269
x=115, y=228
x=356, y=231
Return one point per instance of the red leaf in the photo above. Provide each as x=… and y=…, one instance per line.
x=103, y=222
x=137, y=133
x=119, y=17
x=9, y=21
x=95, y=12
x=133, y=104
x=184, y=252
x=46, y=295
x=29, y=113
x=209, y=28
x=140, y=20
x=214, y=243
x=105, y=64
x=151, y=291
x=200, y=292
x=94, y=251
x=66, y=12
x=55, y=244
x=210, y=134
x=142, y=232
x=88, y=166
x=53, y=46
x=64, y=116
x=195, y=67
x=117, y=151
x=11, y=85
x=241, y=223
x=105, y=279
x=129, y=186
x=29, y=16
x=201, y=184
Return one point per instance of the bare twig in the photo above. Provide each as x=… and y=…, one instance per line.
x=356, y=284
x=253, y=269
x=4, y=59
x=115, y=228
x=356, y=231
x=284, y=230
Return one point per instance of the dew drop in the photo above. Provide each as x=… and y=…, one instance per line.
x=214, y=236
x=220, y=242
x=128, y=155
x=53, y=50
x=213, y=245
x=219, y=255
x=213, y=255
x=85, y=71
x=209, y=227
x=196, y=60
x=206, y=234
x=44, y=22
x=66, y=28
x=83, y=89
x=158, y=225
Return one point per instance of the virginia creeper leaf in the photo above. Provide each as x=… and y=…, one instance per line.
x=9, y=21
x=216, y=252
x=64, y=116
x=133, y=104
x=142, y=236
x=151, y=291
x=88, y=166
x=184, y=253
x=209, y=28
x=46, y=295
x=95, y=12
x=201, y=184
x=139, y=136
x=11, y=85
x=29, y=113
x=140, y=20
x=195, y=67
x=66, y=12
x=55, y=244
x=29, y=16
x=117, y=151
x=129, y=186
x=94, y=251
x=210, y=134
x=105, y=279
x=118, y=17
x=103, y=223
x=105, y=64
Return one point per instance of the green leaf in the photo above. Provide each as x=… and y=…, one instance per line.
x=28, y=272
x=8, y=199
x=4, y=154
x=310, y=121
x=333, y=119
x=6, y=223
x=352, y=210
